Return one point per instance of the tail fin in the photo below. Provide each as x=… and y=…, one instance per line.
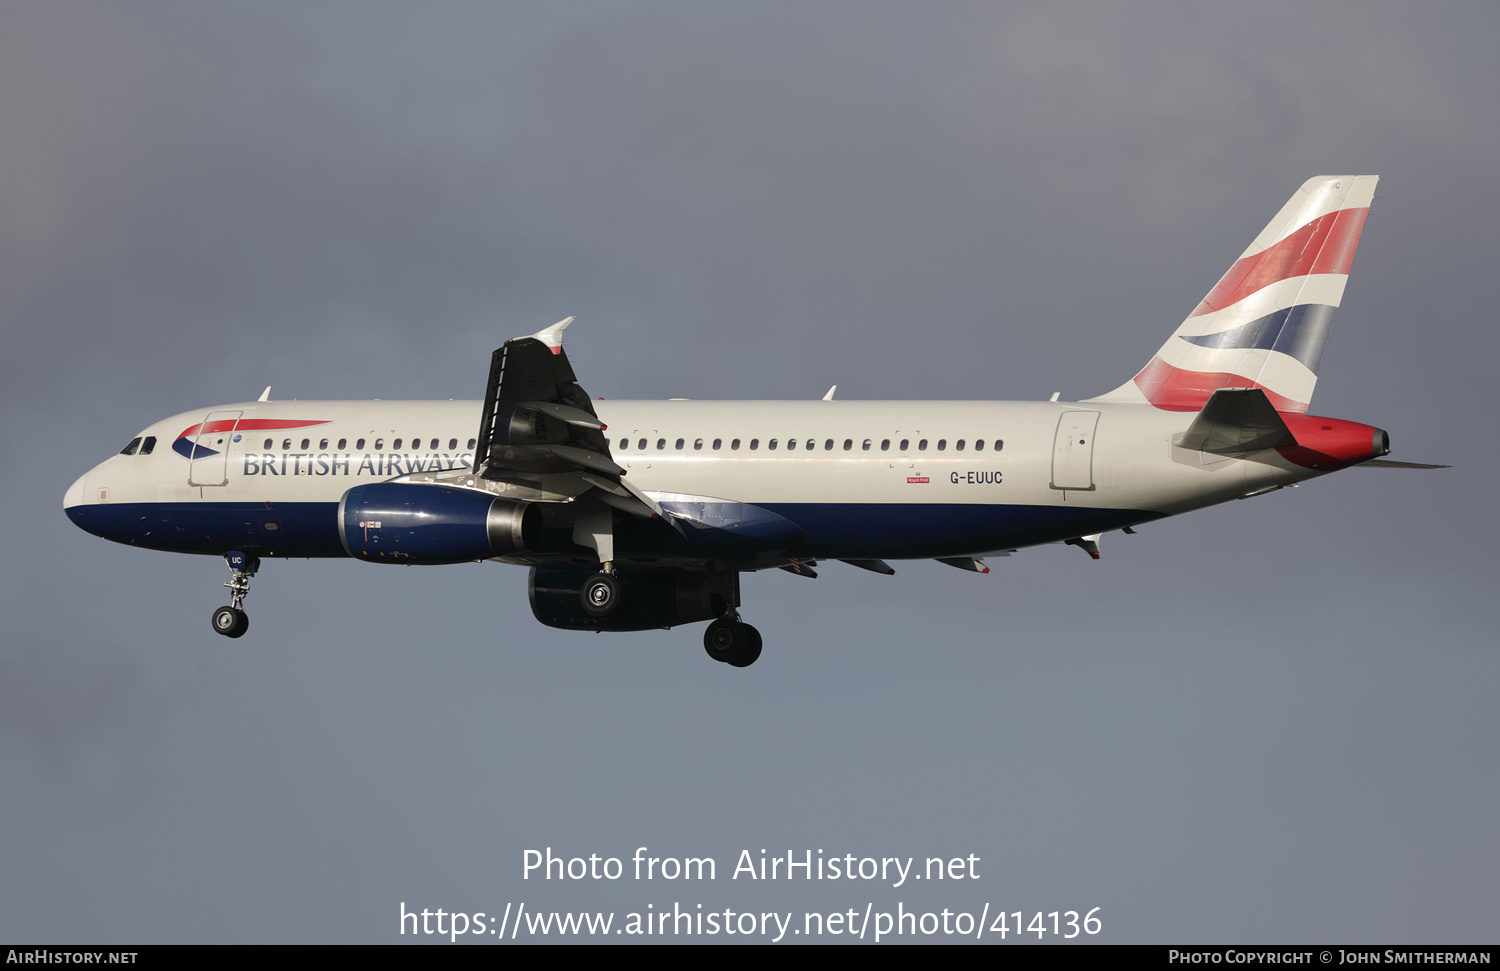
x=1266, y=322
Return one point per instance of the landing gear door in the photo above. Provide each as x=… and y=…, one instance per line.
x=208, y=455
x=1073, y=451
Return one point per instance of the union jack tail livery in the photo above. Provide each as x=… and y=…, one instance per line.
x=1266, y=322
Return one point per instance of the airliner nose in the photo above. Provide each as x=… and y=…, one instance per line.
x=74, y=495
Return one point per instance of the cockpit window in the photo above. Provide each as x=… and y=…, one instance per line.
x=135, y=443
x=148, y=445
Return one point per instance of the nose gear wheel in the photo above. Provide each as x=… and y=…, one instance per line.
x=232, y=621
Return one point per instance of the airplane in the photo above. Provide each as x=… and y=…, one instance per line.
x=639, y=515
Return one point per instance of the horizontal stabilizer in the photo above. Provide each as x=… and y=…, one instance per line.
x=1237, y=420
x=1392, y=464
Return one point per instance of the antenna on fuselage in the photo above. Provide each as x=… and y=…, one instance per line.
x=829, y=395
x=265, y=395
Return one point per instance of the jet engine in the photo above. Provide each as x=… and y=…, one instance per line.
x=400, y=522
x=653, y=600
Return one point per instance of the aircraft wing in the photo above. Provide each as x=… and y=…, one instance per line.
x=539, y=433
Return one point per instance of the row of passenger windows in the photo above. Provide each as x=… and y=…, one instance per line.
x=414, y=445
x=812, y=443
x=146, y=445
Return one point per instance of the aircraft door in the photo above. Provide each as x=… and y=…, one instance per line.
x=1073, y=451
x=208, y=456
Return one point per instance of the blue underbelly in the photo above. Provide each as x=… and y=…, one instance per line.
x=831, y=530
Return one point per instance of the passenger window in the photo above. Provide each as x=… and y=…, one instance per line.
x=791, y=443
x=135, y=443
x=360, y=445
x=698, y=445
x=811, y=445
x=379, y=444
x=867, y=445
x=268, y=443
x=306, y=442
x=979, y=445
x=661, y=443
x=641, y=445
x=849, y=444
x=343, y=442
x=679, y=445
x=473, y=442
x=395, y=446
x=754, y=444
x=960, y=445
x=828, y=445
x=323, y=445
x=942, y=445
x=999, y=444
x=148, y=445
x=771, y=445
x=922, y=445
x=717, y=443
x=624, y=444
x=452, y=445
x=286, y=446
x=734, y=446
x=885, y=444
x=904, y=443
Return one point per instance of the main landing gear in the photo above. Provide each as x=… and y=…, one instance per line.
x=232, y=621
x=732, y=641
x=602, y=593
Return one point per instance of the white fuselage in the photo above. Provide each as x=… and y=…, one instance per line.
x=892, y=479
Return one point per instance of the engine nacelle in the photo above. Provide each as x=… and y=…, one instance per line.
x=401, y=522
x=654, y=599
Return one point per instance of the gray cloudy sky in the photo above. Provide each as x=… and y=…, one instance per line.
x=1272, y=721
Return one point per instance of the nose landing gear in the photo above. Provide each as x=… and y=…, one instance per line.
x=232, y=621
